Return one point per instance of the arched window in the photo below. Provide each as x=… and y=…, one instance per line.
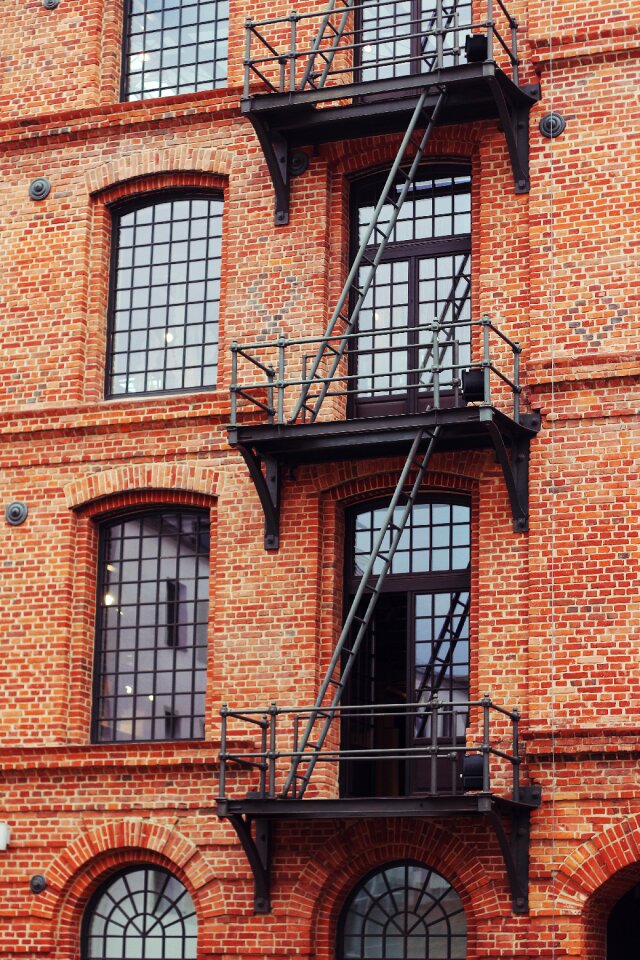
x=142, y=912
x=165, y=296
x=174, y=46
x=403, y=910
x=151, y=643
x=424, y=276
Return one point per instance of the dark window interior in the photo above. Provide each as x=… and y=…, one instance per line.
x=151, y=650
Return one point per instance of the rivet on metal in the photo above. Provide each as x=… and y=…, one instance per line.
x=39, y=188
x=16, y=513
x=37, y=883
x=552, y=125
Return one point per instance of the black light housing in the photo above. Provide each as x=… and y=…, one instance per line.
x=476, y=47
x=473, y=385
x=472, y=772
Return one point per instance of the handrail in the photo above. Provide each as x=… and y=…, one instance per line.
x=282, y=52
x=284, y=363
x=279, y=743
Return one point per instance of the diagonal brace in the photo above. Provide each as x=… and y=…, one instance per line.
x=515, y=469
x=514, y=121
x=515, y=852
x=258, y=850
x=267, y=486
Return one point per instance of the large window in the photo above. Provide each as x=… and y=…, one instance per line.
x=403, y=910
x=174, y=46
x=416, y=649
x=163, y=323
x=142, y=912
x=151, y=646
x=424, y=276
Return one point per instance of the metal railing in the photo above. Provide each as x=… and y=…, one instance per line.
x=270, y=376
x=449, y=731
x=349, y=42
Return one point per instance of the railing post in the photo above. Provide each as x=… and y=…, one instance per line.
x=224, y=710
x=233, y=389
x=486, y=743
x=282, y=345
x=264, y=726
x=439, y=36
x=435, y=704
x=296, y=741
x=515, y=63
x=486, y=360
x=517, y=350
x=248, y=24
x=436, y=357
x=516, y=756
x=490, y=28
x=273, y=713
x=293, y=55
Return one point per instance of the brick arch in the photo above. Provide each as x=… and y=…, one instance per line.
x=358, y=481
x=327, y=880
x=595, y=862
x=451, y=143
x=192, y=478
x=88, y=859
x=174, y=160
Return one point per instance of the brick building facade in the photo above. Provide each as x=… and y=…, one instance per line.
x=129, y=278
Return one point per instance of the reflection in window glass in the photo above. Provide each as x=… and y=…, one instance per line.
x=145, y=912
x=153, y=605
x=403, y=911
x=165, y=303
x=174, y=46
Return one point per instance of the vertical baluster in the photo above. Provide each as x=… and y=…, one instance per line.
x=247, y=55
x=486, y=358
x=264, y=727
x=486, y=743
x=223, y=750
x=490, y=29
x=435, y=367
x=293, y=51
x=282, y=345
x=273, y=714
x=434, y=704
x=516, y=756
x=514, y=51
x=234, y=383
x=517, y=349
x=439, y=36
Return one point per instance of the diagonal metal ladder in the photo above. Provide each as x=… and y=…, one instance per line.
x=334, y=34
x=331, y=353
x=346, y=649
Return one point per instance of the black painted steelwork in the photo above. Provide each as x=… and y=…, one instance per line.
x=277, y=740
x=267, y=378
x=295, y=64
x=40, y=188
x=16, y=513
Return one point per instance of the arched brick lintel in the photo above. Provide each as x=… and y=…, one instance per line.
x=83, y=864
x=175, y=160
x=192, y=478
x=595, y=861
x=329, y=877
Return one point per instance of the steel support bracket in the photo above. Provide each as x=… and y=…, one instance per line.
x=257, y=845
x=276, y=153
x=515, y=467
x=514, y=121
x=267, y=484
x=514, y=847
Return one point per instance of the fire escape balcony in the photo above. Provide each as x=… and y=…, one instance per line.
x=449, y=759
x=287, y=411
x=354, y=69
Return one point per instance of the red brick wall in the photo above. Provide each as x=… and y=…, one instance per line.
x=555, y=629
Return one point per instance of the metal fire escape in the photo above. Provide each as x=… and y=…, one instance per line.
x=297, y=421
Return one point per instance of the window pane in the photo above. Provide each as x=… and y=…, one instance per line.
x=176, y=46
x=144, y=912
x=164, y=302
x=152, y=613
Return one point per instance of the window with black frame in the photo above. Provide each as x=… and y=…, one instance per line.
x=151, y=639
x=143, y=911
x=174, y=46
x=423, y=279
x=165, y=294
x=416, y=650
x=398, y=38
x=403, y=910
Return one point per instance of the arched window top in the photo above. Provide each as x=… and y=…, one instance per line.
x=436, y=537
x=141, y=912
x=165, y=296
x=403, y=910
x=437, y=206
